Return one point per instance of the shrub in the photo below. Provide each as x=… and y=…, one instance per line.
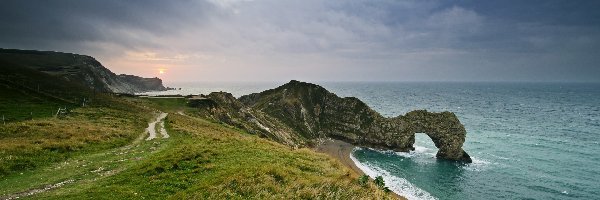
x=379, y=182
x=363, y=180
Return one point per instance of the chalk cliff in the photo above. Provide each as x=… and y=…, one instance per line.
x=79, y=69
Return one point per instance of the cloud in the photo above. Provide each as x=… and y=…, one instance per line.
x=318, y=40
x=130, y=24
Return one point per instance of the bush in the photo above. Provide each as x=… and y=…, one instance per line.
x=379, y=182
x=363, y=180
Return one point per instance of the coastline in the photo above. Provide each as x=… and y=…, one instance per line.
x=341, y=151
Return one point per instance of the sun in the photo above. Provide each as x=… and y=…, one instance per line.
x=161, y=71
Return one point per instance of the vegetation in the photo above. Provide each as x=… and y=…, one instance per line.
x=379, y=182
x=30, y=144
x=201, y=160
x=205, y=160
x=363, y=180
x=98, y=151
x=30, y=134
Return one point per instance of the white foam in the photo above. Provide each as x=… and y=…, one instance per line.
x=477, y=165
x=479, y=162
x=419, y=151
x=398, y=185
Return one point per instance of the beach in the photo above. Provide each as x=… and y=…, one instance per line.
x=341, y=151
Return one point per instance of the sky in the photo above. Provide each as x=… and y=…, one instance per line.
x=310, y=40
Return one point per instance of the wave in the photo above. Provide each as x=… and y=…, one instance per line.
x=477, y=165
x=398, y=185
x=423, y=154
x=420, y=151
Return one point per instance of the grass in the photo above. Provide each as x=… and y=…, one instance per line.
x=99, y=149
x=95, y=147
x=29, y=144
x=165, y=104
x=19, y=105
x=204, y=160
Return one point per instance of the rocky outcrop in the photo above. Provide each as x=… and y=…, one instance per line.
x=223, y=107
x=302, y=111
x=142, y=84
x=444, y=129
x=80, y=69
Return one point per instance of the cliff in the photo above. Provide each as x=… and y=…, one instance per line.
x=80, y=69
x=297, y=113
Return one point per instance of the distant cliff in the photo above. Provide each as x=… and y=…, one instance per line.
x=80, y=69
x=297, y=113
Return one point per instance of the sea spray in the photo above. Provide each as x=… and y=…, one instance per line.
x=396, y=184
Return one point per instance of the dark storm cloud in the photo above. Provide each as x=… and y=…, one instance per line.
x=463, y=40
x=69, y=22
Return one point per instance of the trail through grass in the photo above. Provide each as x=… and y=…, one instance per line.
x=81, y=167
x=200, y=160
x=204, y=160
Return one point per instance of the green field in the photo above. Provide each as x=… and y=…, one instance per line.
x=99, y=152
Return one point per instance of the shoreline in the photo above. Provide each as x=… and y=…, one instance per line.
x=341, y=151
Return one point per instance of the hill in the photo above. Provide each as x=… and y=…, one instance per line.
x=78, y=69
x=98, y=148
x=299, y=113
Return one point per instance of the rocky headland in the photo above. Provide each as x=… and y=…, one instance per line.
x=79, y=69
x=299, y=114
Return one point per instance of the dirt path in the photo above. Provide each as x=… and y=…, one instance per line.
x=100, y=162
x=36, y=190
x=152, y=127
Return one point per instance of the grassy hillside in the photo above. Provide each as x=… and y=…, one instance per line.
x=30, y=144
x=204, y=160
x=98, y=151
x=93, y=153
x=43, y=60
x=76, y=69
x=30, y=134
x=26, y=93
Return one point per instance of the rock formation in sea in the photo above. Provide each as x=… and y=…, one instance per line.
x=79, y=69
x=297, y=113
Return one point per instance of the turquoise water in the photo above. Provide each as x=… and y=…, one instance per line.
x=528, y=140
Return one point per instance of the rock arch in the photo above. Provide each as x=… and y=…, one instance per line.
x=444, y=129
x=299, y=113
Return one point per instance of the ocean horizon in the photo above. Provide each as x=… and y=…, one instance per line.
x=528, y=140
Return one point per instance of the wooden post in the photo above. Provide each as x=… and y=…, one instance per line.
x=3, y=122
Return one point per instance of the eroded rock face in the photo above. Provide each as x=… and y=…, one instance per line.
x=444, y=129
x=80, y=69
x=300, y=111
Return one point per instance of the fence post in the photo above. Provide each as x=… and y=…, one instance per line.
x=3, y=122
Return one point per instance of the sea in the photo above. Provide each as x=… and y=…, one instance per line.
x=527, y=140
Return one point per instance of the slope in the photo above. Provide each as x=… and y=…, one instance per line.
x=80, y=69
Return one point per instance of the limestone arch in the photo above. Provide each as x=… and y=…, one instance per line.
x=444, y=129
